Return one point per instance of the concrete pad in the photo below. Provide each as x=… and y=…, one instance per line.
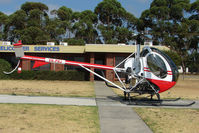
x=121, y=120
x=48, y=100
x=114, y=116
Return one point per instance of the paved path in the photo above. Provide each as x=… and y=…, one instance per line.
x=47, y=100
x=114, y=116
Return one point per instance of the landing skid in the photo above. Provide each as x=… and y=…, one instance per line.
x=127, y=96
x=160, y=103
x=153, y=102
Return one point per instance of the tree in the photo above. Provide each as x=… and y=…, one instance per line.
x=64, y=13
x=37, y=18
x=194, y=10
x=109, y=12
x=79, y=25
x=3, y=21
x=112, y=16
x=194, y=47
x=34, y=35
x=85, y=26
x=169, y=26
x=28, y=6
x=15, y=24
x=55, y=29
x=65, y=16
x=193, y=62
x=73, y=41
x=29, y=24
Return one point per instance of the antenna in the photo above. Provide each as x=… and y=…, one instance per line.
x=136, y=63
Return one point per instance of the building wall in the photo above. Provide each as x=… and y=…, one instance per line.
x=56, y=67
x=26, y=65
x=110, y=62
x=92, y=60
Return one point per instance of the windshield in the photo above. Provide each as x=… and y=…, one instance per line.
x=157, y=65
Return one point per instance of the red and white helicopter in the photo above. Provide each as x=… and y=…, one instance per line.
x=152, y=69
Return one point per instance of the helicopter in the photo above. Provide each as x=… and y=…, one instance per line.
x=152, y=70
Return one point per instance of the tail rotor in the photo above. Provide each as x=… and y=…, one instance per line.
x=19, y=52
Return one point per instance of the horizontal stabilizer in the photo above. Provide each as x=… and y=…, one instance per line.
x=39, y=63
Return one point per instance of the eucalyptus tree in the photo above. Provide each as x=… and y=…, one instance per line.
x=169, y=26
x=193, y=62
x=55, y=29
x=15, y=24
x=29, y=23
x=115, y=23
x=194, y=47
x=3, y=21
x=64, y=15
x=85, y=26
x=194, y=10
x=77, y=25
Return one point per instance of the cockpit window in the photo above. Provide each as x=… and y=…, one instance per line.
x=157, y=66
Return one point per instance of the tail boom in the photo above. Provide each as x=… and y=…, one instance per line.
x=66, y=62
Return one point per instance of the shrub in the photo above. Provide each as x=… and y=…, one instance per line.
x=26, y=75
x=49, y=75
x=4, y=66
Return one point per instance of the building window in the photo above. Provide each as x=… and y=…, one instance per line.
x=44, y=67
x=69, y=67
x=119, y=59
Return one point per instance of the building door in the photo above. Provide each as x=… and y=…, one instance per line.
x=99, y=59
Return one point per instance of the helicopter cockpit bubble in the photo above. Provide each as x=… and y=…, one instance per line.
x=159, y=69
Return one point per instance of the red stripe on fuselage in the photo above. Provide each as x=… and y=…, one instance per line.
x=163, y=85
x=147, y=71
x=168, y=72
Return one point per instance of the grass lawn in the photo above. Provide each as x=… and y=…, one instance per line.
x=47, y=88
x=162, y=120
x=19, y=118
x=186, y=89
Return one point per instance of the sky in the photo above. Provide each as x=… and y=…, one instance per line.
x=136, y=7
